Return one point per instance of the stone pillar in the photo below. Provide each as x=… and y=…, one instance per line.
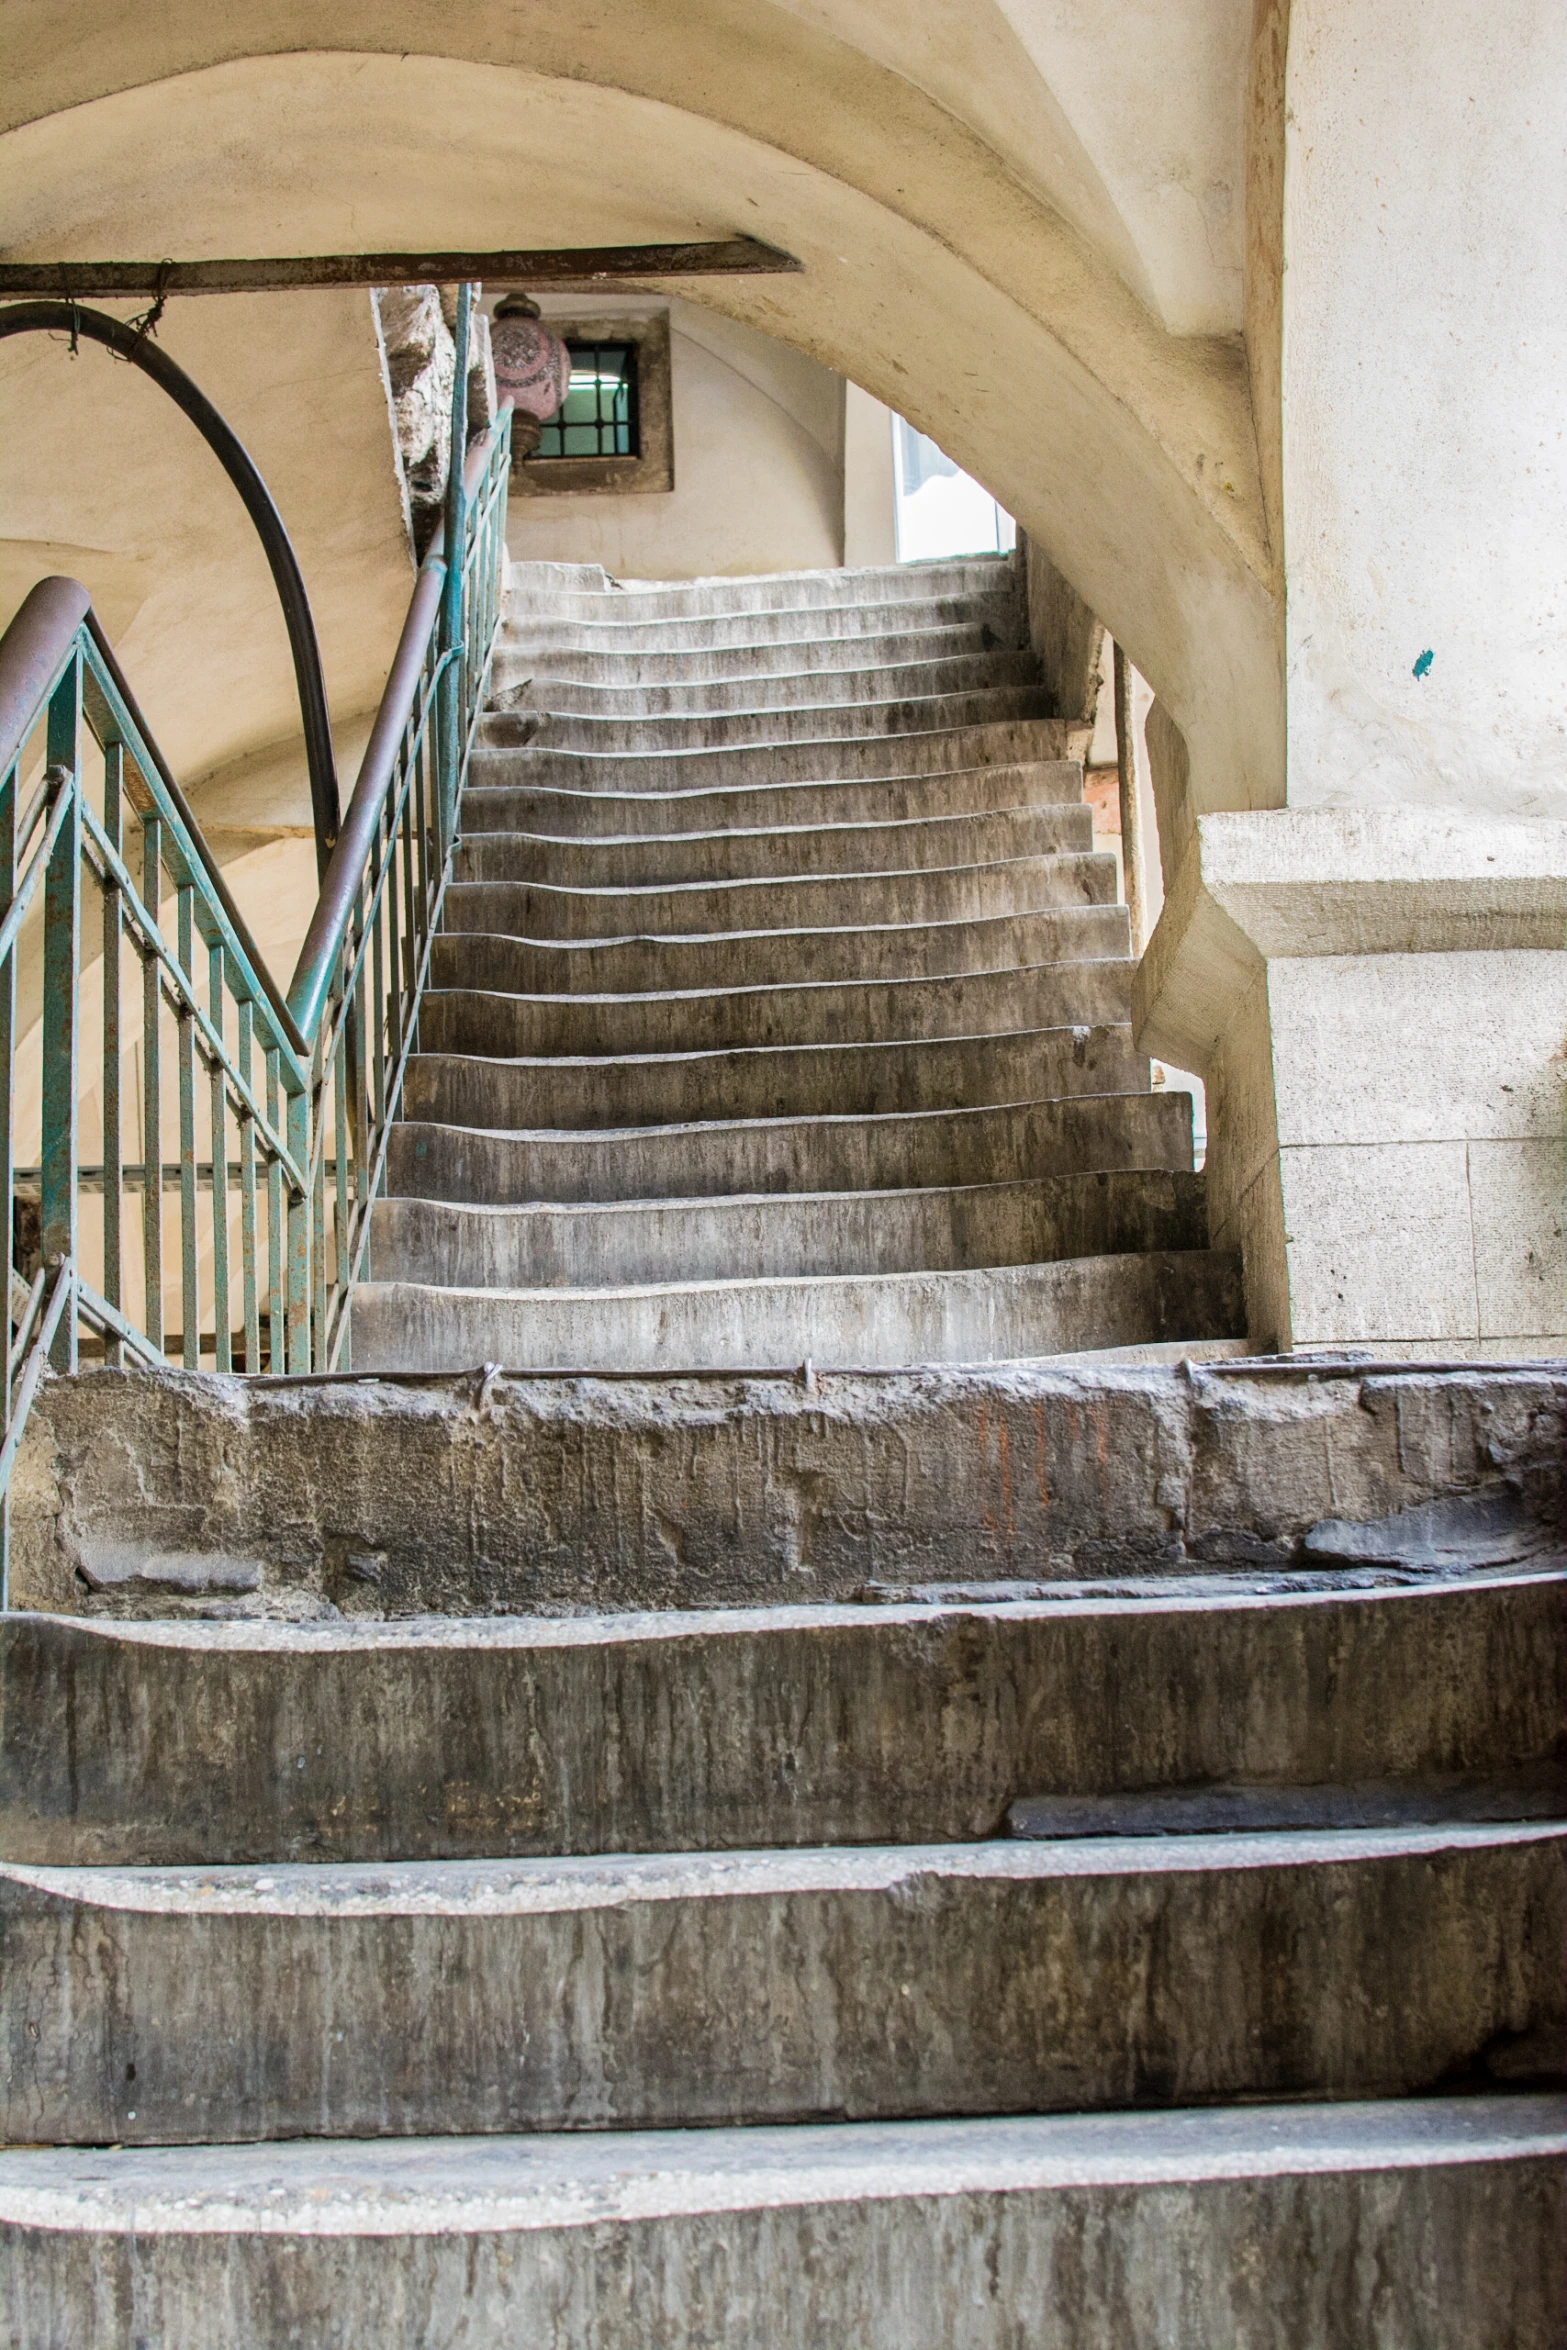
x=1373, y=977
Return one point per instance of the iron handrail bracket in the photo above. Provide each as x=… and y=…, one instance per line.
x=250, y=1144
x=133, y=343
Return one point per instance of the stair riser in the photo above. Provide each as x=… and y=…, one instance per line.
x=900, y=585
x=718, y=665
x=844, y=759
x=641, y=862
x=974, y=791
x=1331, y=2255
x=843, y=1726
x=1056, y=995
x=720, y=730
x=1015, y=1144
x=520, y=966
x=964, y=893
x=713, y=1240
x=777, y=688
x=795, y=1081
x=863, y=626
x=513, y=1499
x=878, y=1321
x=863, y=1987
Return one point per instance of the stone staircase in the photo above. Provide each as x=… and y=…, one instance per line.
x=1102, y=1890
x=1004, y=1855
x=781, y=1010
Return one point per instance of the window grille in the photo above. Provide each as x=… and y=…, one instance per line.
x=598, y=417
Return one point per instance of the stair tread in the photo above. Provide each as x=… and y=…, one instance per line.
x=530, y=1885
x=706, y=1055
x=417, y=2186
x=1279, y=1592
x=727, y=1284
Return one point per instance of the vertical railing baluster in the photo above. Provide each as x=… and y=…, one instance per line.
x=113, y=1141
x=297, y=1136
x=247, y=1193
x=62, y=974
x=277, y=1315
x=152, y=1092
x=394, y=929
x=377, y=1040
x=342, y=1190
x=318, y=1255
x=452, y=716
x=185, y=1034
x=366, y=1112
x=222, y=1341
x=423, y=800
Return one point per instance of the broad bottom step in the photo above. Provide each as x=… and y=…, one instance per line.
x=1432, y=2224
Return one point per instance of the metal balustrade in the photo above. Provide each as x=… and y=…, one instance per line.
x=165, y=1043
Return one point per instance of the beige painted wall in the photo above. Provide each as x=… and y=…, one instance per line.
x=758, y=434
x=118, y=490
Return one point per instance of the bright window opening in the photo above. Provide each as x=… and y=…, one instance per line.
x=598, y=417
x=940, y=509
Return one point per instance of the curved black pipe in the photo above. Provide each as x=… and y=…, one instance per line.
x=133, y=343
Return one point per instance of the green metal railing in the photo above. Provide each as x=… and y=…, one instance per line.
x=173, y=1086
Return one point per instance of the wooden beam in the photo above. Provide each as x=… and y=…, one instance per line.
x=99, y=280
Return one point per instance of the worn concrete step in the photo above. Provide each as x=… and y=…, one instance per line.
x=641, y=859
x=714, y=665
x=796, y=721
x=839, y=759
x=876, y=1320
x=464, y=1088
x=838, y=589
x=475, y=957
x=164, y=1743
x=1436, y=2221
x=1019, y=1141
x=803, y=686
x=166, y=1493
x=790, y=902
x=671, y=1990
x=607, y=1245
x=893, y=799
x=985, y=1003
x=614, y=632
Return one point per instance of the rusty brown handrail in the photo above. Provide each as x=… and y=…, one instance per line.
x=340, y=886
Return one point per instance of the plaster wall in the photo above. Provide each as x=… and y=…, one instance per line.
x=1424, y=351
x=758, y=444
x=117, y=489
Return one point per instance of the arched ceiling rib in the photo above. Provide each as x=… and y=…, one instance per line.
x=936, y=272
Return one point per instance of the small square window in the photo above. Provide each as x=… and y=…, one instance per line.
x=613, y=432
x=598, y=417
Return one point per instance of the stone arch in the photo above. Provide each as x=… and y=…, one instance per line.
x=932, y=276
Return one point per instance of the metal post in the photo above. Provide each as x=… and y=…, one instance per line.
x=152, y=1093
x=453, y=716
x=297, y=1137
x=113, y=1150
x=62, y=971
